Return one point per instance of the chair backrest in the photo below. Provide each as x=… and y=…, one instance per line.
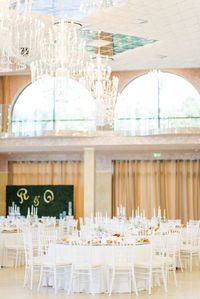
x=30, y=238
x=159, y=246
x=123, y=252
x=190, y=236
x=47, y=238
x=172, y=245
x=82, y=255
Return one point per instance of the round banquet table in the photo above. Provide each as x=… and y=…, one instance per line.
x=102, y=254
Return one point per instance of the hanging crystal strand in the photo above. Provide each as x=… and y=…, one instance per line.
x=26, y=36
x=96, y=78
x=62, y=54
x=90, y=6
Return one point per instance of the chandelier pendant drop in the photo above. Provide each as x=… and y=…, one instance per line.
x=10, y=64
x=96, y=77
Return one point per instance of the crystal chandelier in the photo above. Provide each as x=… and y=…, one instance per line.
x=9, y=64
x=24, y=5
x=62, y=44
x=61, y=55
x=96, y=77
x=95, y=5
x=5, y=4
x=25, y=35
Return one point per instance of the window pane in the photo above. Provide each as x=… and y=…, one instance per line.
x=178, y=98
x=157, y=100
x=32, y=97
x=44, y=106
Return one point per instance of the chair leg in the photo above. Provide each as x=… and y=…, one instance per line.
x=112, y=280
x=180, y=262
x=16, y=258
x=55, y=280
x=107, y=280
x=190, y=262
x=31, y=278
x=164, y=281
x=150, y=281
x=91, y=282
x=26, y=275
x=40, y=278
x=134, y=282
x=70, y=282
x=174, y=273
x=158, y=280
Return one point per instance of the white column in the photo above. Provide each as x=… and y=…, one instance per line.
x=89, y=182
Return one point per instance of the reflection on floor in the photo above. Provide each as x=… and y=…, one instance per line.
x=11, y=287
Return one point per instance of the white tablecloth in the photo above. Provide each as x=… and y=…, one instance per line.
x=102, y=256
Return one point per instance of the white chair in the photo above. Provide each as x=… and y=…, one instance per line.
x=122, y=263
x=179, y=263
x=14, y=247
x=83, y=266
x=154, y=263
x=171, y=255
x=190, y=245
x=194, y=222
x=51, y=264
x=33, y=261
x=60, y=228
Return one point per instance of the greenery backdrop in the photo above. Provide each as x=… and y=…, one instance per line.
x=51, y=200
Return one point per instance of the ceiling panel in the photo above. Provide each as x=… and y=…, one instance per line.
x=173, y=24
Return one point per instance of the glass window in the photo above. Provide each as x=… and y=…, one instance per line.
x=42, y=107
x=156, y=101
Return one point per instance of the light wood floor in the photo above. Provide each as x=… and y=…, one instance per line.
x=11, y=287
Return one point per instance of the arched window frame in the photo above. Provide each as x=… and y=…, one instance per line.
x=83, y=123
x=156, y=120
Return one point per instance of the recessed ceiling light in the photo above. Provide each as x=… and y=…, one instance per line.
x=139, y=21
x=162, y=56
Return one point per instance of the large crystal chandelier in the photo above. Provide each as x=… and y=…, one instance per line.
x=61, y=55
x=63, y=45
x=25, y=34
x=85, y=5
x=96, y=77
x=24, y=5
x=10, y=64
x=95, y=5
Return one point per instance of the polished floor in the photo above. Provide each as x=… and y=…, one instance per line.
x=11, y=287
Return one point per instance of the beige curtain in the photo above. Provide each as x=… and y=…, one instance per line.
x=51, y=173
x=172, y=185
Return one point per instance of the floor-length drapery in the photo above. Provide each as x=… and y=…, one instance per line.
x=173, y=185
x=51, y=173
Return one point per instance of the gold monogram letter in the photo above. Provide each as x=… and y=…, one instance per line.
x=48, y=196
x=22, y=194
x=36, y=200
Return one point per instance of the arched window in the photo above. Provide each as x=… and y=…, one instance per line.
x=157, y=101
x=41, y=107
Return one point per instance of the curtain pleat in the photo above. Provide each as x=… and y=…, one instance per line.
x=172, y=185
x=51, y=173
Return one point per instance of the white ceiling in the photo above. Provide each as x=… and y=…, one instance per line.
x=175, y=24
